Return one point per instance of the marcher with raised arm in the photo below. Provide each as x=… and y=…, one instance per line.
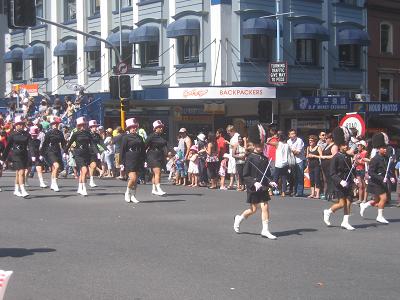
x=95, y=156
x=37, y=158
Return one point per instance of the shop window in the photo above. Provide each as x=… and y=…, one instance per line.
x=188, y=46
x=349, y=56
x=127, y=52
x=94, y=62
x=38, y=67
x=69, y=10
x=16, y=69
x=147, y=54
x=306, y=52
x=260, y=48
x=67, y=64
x=386, y=89
x=94, y=7
x=386, y=38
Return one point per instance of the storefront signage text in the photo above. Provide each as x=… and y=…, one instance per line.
x=376, y=107
x=322, y=103
x=222, y=93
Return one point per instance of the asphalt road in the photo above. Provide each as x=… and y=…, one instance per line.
x=64, y=246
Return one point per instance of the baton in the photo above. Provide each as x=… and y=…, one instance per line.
x=387, y=168
x=265, y=172
x=351, y=170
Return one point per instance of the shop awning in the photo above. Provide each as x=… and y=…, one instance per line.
x=92, y=45
x=65, y=48
x=33, y=52
x=353, y=37
x=114, y=38
x=183, y=27
x=259, y=26
x=310, y=31
x=144, y=34
x=13, y=56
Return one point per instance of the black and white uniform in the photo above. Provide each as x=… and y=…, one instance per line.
x=35, y=152
x=376, y=172
x=84, y=146
x=254, y=168
x=339, y=170
x=97, y=141
x=20, y=143
x=156, y=149
x=53, y=144
x=132, y=152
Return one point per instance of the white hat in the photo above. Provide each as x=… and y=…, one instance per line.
x=182, y=130
x=201, y=137
x=80, y=121
x=157, y=124
x=34, y=130
x=131, y=123
x=18, y=120
x=93, y=123
x=363, y=143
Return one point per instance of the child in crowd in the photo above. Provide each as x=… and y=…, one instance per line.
x=222, y=171
x=180, y=167
x=171, y=165
x=397, y=171
x=193, y=169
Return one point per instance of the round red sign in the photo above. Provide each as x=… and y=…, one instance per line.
x=354, y=121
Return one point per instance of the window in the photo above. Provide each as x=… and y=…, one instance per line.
x=349, y=56
x=38, y=67
x=94, y=7
x=94, y=61
x=188, y=49
x=260, y=48
x=124, y=3
x=69, y=10
x=386, y=89
x=67, y=65
x=39, y=8
x=127, y=52
x=306, y=52
x=349, y=2
x=16, y=69
x=147, y=54
x=386, y=38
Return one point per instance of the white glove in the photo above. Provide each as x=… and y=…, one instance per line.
x=65, y=156
x=344, y=183
x=384, y=180
x=356, y=181
x=41, y=158
x=33, y=158
x=257, y=185
x=122, y=167
x=98, y=156
x=1, y=162
x=392, y=180
x=273, y=184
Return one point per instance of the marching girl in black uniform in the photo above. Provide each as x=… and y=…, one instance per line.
x=132, y=158
x=257, y=184
x=95, y=157
x=156, y=150
x=342, y=174
x=379, y=174
x=83, y=148
x=37, y=158
x=20, y=143
x=52, y=147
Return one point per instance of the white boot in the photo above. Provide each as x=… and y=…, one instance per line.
x=41, y=182
x=128, y=195
x=154, y=190
x=24, y=193
x=327, y=215
x=160, y=192
x=16, y=191
x=54, y=185
x=83, y=190
x=345, y=223
x=91, y=182
x=265, y=231
x=380, y=218
x=236, y=224
x=79, y=188
x=133, y=197
x=363, y=207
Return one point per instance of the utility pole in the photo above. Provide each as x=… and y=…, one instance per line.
x=278, y=33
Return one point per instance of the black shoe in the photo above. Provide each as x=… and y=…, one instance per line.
x=299, y=196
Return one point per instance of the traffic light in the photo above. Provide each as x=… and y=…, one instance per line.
x=114, y=87
x=265, y=114
x=21, y=13
x=124, y=86
x=125, y=105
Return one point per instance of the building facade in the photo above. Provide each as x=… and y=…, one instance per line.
x=201, y=63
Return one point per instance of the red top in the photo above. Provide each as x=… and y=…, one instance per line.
x=221, y=144
x=271, y=150
x=360, y=163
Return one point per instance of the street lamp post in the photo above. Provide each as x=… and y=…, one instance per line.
x=278, y=33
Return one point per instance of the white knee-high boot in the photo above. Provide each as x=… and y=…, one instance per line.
x=345, y=224
x=265, y=231
x=160, y=192
x=41, y=181
x=91, y=182
x=236, y=224
x=16, y=191
x=54, y=185
x=133, y=196
x=83, y=190
x=24, y=193
x=380, y=218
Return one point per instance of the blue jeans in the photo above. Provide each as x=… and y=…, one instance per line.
x=299, y=179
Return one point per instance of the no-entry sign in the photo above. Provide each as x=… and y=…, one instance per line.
x=354, y=120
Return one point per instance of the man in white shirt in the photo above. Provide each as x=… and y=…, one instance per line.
x=296, y=145
x=230, y=129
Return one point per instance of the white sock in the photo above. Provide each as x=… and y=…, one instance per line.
x=154, y=187
x=16, y=189
x=22, y=188
x=241, y=218
x=128, y=190
x=346, y=219
x=380, y=212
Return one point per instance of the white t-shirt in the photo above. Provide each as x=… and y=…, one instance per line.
x=233, y=141
x=109, y=144
x=297, y=145
x=281, y=158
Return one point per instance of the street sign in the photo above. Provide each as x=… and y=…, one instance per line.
x=354, y=120
x=278, y=72
x=122, y=68
x=390, y=108
x=322, y=103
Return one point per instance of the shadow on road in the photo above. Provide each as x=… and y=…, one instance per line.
x=162, y=201
x=187, y=194
x=21, y=252
x=294, y=232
